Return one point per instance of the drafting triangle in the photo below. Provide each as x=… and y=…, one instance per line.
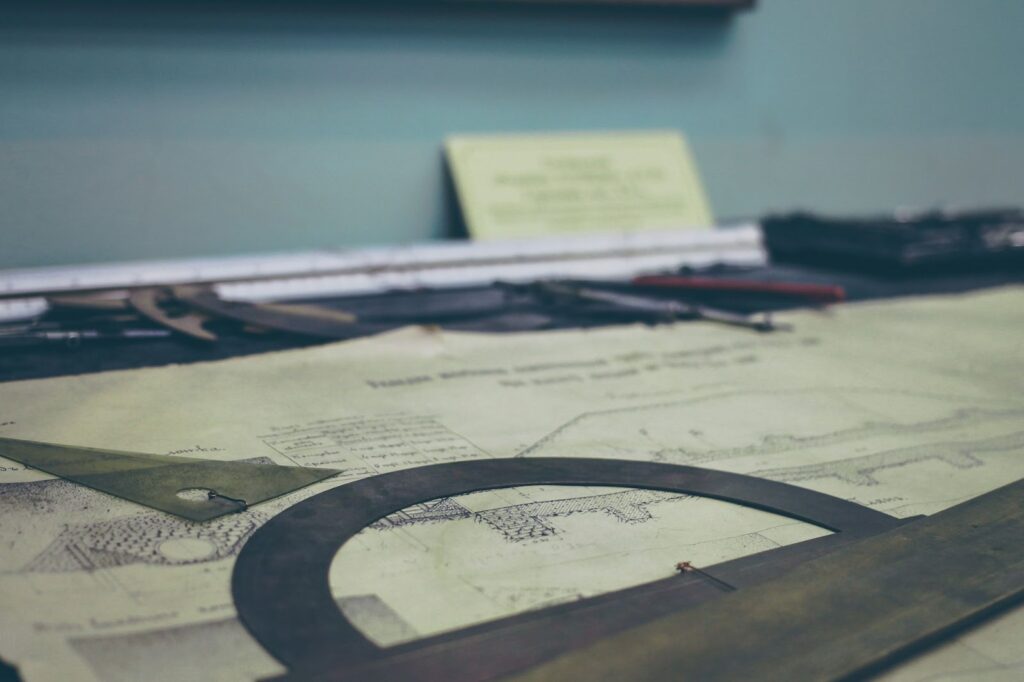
x=156, y=480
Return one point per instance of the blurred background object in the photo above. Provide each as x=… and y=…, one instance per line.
x=165, y=130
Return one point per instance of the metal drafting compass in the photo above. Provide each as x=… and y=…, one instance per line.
x=281, y=591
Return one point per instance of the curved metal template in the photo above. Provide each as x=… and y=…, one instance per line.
x=281, y=591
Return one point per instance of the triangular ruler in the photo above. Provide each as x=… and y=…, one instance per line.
x=208, y=488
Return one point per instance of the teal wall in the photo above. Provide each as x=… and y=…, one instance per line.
x=161, y=133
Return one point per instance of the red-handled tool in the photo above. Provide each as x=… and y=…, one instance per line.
x=821, y=293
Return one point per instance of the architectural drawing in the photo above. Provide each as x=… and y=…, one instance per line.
x=219, y=649
x=532, y=520
x=108, y=532
x=434, y=511
x=862, y=471
x=907, y=407
x=149, y=538
x=634, y=425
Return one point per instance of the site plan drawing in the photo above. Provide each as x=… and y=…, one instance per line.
x=906, y=406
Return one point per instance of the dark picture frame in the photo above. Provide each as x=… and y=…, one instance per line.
x=727, y=5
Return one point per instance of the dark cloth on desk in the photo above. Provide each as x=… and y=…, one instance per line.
x=50, y=361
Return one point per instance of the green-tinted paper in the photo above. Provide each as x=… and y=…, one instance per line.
x=527, y=185
x=907, y=406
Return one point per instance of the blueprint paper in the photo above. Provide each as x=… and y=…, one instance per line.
x=906, y=406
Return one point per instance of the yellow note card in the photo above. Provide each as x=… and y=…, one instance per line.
x=529, y=185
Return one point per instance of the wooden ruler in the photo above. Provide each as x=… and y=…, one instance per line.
x=844, y=616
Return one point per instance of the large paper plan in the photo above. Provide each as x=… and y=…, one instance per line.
x=907, y=406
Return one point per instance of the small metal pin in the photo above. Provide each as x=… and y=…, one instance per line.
x=687, y=567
